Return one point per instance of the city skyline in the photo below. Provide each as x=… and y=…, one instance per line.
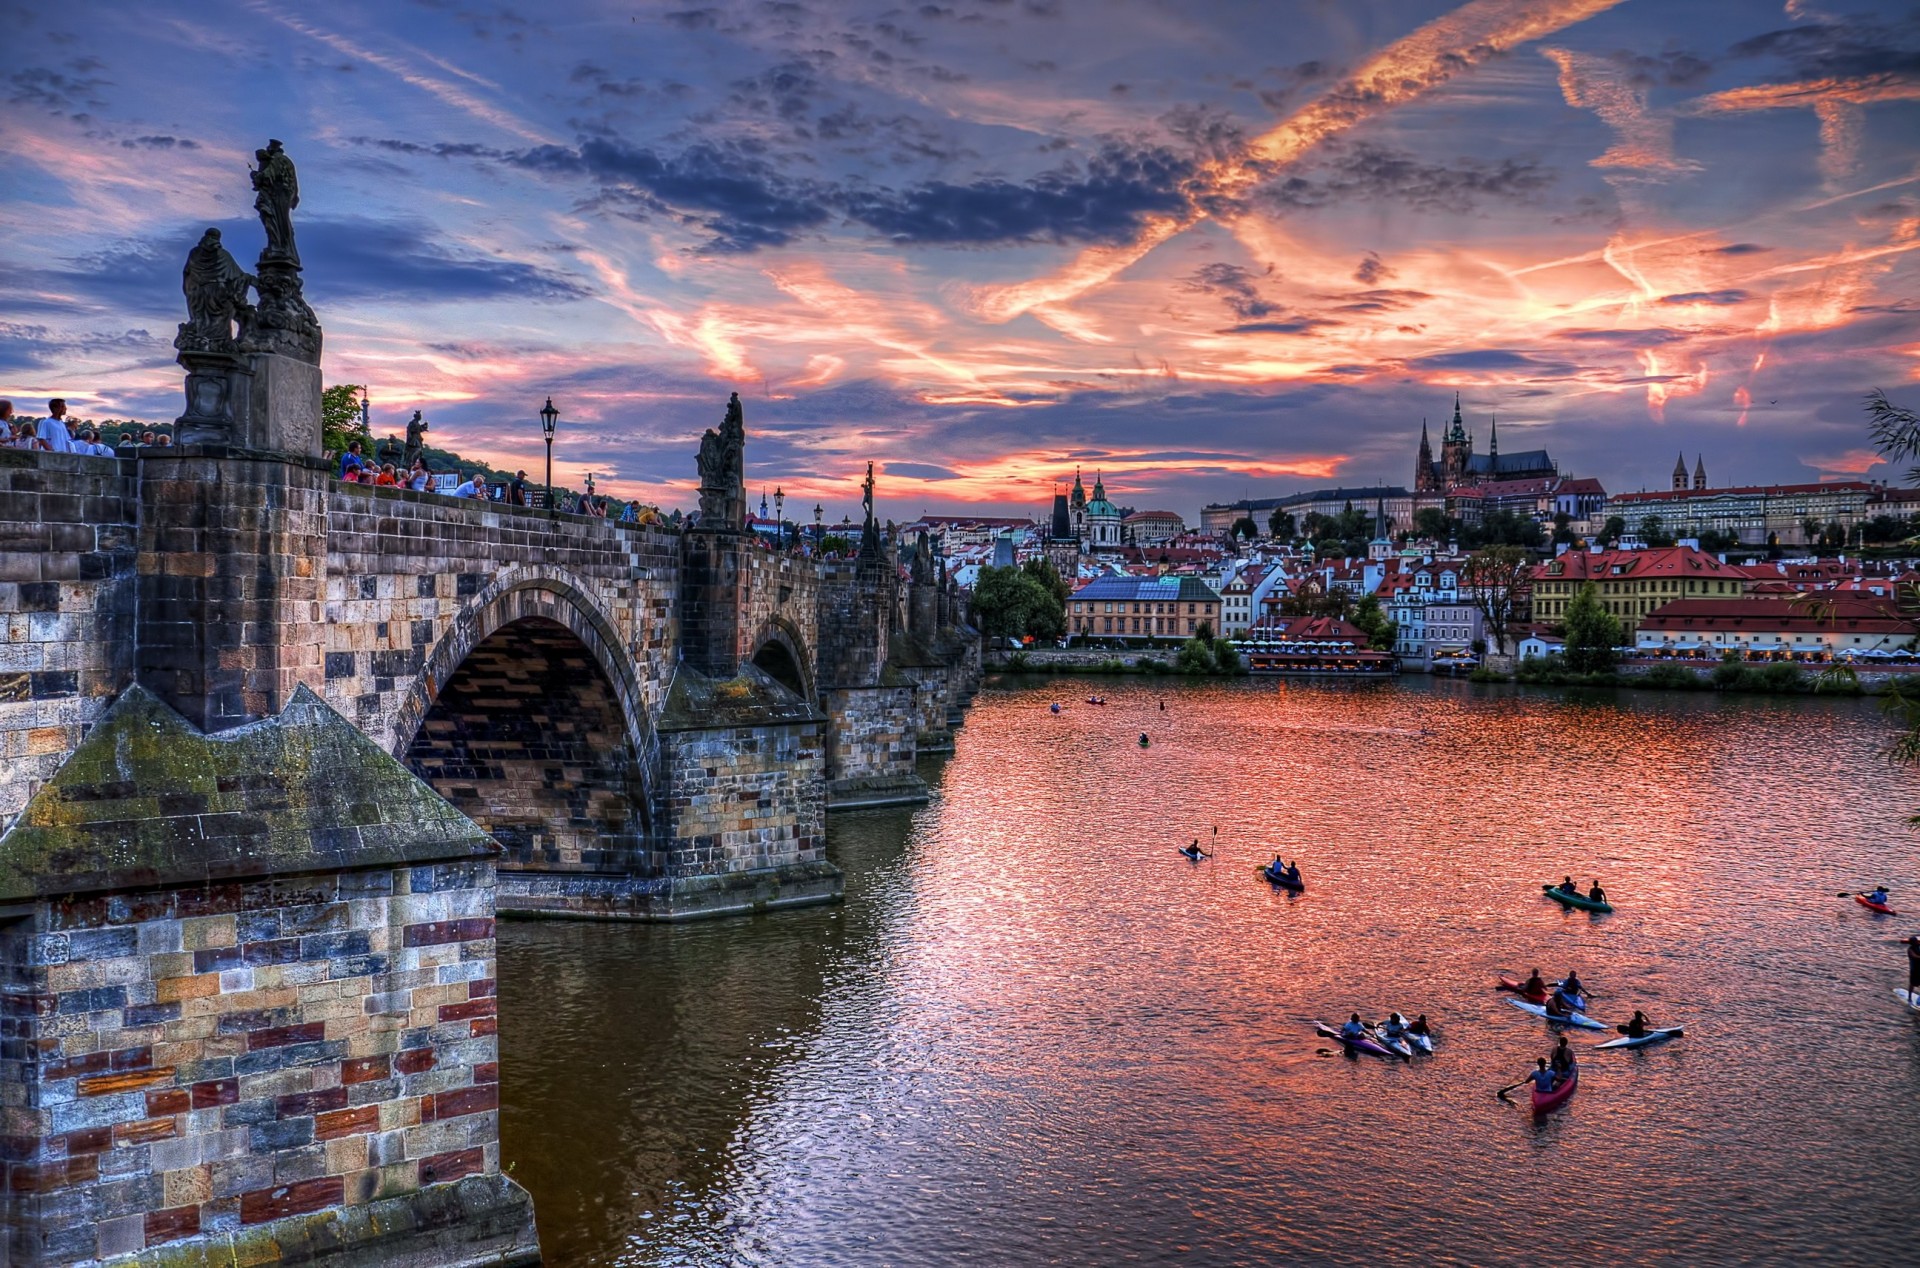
x=1204, y=253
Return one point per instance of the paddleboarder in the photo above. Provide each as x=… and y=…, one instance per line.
x=1913, y=968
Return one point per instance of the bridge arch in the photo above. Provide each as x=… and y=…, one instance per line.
x=781, y=652
x=528, y=716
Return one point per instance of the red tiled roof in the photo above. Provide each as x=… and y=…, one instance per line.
x=1665, y=561
x=1768, y=612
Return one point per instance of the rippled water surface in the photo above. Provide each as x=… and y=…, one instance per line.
x=1035, y=1035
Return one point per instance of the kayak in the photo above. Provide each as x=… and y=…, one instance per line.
x=1398, y=1047
x=1574, y=899
x=1540, y=1010
x=1910, y=998
x=1576, y=999
x=1652, y=1036
x=1520, y=988
x=1362, y=1043
x=1547, y=1102
x=1284, y=882
x=1421, y=1043
x=1192, y=857
x=1870, y=905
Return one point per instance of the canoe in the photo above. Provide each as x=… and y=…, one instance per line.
x=1364, y=1043
x=1651, y=1037
x=1520, y=988
x=1910, y=998
x=1547, y=1102
x=1540, y=1010
x=1870, y=905
x=1574, y=899
x=1284, y=882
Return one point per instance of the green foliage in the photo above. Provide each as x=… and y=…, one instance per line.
x=1244, y=528
x=1041, y=569
x=340, y=419
x=1612, y=530
x=1492, y=579
x=1592, y=633
x=1015, y=603
x=1839, y=680
x=1372, y=618
x=1280, y=524
x=836, y=544
x=1717, y=542
x=1432, y=522
x=1482, y=674
x=1653, y=532
x=1670, y=678
x=1018, y=663
x=1782, y=678
x=1201, y=657
x=1503, y=528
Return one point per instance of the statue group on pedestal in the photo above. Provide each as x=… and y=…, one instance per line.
x=223, y=331
x=722, y=463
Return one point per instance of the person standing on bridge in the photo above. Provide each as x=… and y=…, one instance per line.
x=517, y=490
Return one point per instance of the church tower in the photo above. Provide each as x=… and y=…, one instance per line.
x=1680, y=474
x=1455, y=450
x=1700, y=472
x=1493, y=441
x=1424, y=480
x=1077, y=507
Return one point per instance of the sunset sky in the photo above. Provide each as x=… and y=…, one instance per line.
x=1208, y=248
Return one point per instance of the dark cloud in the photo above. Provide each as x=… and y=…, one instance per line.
x=1648, y=338
x=158, y=143
x=1489, y=359
x=1236, y=287
x=1292, y=326
x=70, y=92
x=1672, y=68
x=1378, y=300
x=1706, y=297
x=1740, y=248
x=1366, y=172
x=1372, y=270
x=1855, y=48
x=919, y=471
x=692, y=19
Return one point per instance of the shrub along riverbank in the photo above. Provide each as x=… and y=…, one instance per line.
x=1781, y=679
x=1195, y=658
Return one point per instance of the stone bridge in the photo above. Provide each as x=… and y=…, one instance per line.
x=650, y=722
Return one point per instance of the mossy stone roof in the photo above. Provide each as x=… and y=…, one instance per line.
x=148, y=800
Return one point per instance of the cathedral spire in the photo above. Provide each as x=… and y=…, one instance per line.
x=1493, y=439
x=1700, y=472
x=1457, y=433
x=1680, y=472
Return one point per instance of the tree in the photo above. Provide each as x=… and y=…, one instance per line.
x=1280, y=525
x=1014, y=603
x=1810, y=529
x=836, y=544
x=1041, y=569
x=1592, y=633
x=1432, y=523
x=340, y=423
x=1562, y=529
x=1613, y=530
x=1494, y=580
x=1244, y=528
x=1653, y=532
x=1718, y=541
x=1372, y=618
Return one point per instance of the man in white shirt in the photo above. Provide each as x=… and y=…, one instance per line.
x=472, y=488
x=53, y=428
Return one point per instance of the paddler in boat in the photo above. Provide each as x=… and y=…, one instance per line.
x=1536, y=985
x=1596, y=894
x=1563, y=1060
x=1572, y=986
x=1418, y=1026
x=1394, y=1026
x=1913, y=967
x=1878, y=896
x=1543, y=1078
x=1354, y=1029
x=1567, y=886
x=1636, y=1027
x=1192, y=851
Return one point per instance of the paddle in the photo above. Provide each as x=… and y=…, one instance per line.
x=1502, y=1093
x=1862, y=893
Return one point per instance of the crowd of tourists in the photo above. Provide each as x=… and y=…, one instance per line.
x=56, y=433
x=356, y=468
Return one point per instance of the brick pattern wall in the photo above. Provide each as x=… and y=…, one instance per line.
x=783, y=591
x=67, y=598
x=872, y=737
x=231, y=551
x=745, y=798
x=413, y=580
x=528, y=741
x=209, y=1059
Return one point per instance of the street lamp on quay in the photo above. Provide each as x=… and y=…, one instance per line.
x=549, y=419
x=779, y=517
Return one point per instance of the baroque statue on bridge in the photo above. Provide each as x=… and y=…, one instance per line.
x=276, y=194
x=416, y=437
x=722, y=463
x=216, y=289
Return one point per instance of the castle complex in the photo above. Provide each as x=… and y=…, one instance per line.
x=1459, y=466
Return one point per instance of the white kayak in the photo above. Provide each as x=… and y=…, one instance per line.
x=1540, y=1010
x=1421, y=1043
x=1910, y=998
x=1652, y=1036
x=1398, y=1047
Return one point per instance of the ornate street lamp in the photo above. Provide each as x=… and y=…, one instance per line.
x=817, y=538
x=549, y=418
x=779, y=518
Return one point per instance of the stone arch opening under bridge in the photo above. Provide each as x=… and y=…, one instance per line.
x=781, y=652
x=527, y=718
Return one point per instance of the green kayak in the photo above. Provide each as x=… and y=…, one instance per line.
x=1573, y=898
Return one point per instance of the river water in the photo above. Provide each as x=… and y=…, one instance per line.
x=1035, y=1035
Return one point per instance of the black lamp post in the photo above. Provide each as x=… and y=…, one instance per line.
x=549, y=418
x=817, y=538
x=779, y=517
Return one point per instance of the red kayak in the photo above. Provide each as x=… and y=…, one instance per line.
x=1520, y=988
x=1547, y=1102
x=1870, y=905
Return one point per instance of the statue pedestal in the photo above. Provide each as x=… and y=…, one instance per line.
x=285, y=408
x=219, y=399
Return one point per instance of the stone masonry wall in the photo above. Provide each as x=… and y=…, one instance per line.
x=222, y=1060
x=67, y=599
x=745, y=798
x=871, y=746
